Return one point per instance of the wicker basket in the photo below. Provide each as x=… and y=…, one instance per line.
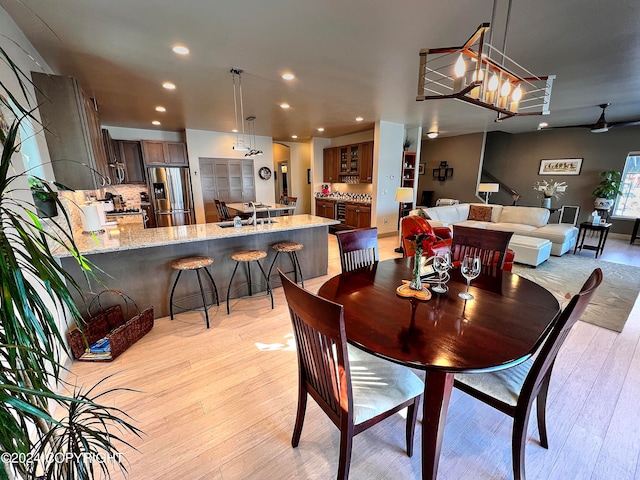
x=110, y=322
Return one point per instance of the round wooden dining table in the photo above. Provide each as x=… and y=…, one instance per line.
x=501, y=327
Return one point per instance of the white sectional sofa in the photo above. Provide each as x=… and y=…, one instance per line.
x=525, y=221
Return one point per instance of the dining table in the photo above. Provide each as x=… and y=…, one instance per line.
x=502, y=326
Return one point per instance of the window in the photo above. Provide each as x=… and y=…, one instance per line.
x=628, y=204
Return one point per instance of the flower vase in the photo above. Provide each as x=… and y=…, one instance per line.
x=546, y=202
x=416, y=281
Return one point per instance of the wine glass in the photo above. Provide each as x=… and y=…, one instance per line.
x=441, y=263
x=470, y=269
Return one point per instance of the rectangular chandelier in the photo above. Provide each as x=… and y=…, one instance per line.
x=480, y=74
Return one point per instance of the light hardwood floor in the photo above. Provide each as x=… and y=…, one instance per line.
x=220, y=404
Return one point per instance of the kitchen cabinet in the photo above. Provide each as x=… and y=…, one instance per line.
x=157, y=152
x=357, y=215
x=348, y=163
x=330, y=165
x=72, y=131
x=366, y=162
x=326, y=208
x=129, y=153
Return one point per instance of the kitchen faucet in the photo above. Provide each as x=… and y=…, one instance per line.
x=253, y=219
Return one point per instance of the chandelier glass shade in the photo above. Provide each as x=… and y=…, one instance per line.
x=478, y=73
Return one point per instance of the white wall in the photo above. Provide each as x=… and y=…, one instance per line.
x=316, y=148
x=387, y=160
x=208, y=144
x=352, y=138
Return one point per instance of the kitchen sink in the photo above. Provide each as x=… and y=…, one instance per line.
x=229, y=224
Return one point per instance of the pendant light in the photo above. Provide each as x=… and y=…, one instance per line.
x=241, y=142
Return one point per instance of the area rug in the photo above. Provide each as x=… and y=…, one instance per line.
x=564, y=276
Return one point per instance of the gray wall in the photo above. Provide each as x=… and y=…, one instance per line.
x=515, y=160
x=464, y=155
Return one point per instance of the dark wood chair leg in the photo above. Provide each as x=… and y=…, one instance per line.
x=346, y=441
x=412, y=416
x=541, y=408
x=519, y=440
x=302, y=408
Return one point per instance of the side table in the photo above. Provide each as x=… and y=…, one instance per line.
x=602, y=228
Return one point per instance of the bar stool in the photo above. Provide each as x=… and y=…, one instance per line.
x=249, y=256
x=196, y=264
x=291, y=248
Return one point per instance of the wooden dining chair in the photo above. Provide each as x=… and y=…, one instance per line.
x=490, y=245
x=513, y=390
x=355, y=389
x=223, y=211
x=291, y=201
x=358, y=248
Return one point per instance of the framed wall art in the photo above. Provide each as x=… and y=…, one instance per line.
x=421, y=169
x=560, y=166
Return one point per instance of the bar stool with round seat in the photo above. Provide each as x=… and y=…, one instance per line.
x=248, y=256
x=196, y=264
x=291, y=248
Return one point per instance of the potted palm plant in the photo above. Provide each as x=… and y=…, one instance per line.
x=608, y=189
x=35, y=295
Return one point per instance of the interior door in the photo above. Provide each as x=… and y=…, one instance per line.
x=228, y=180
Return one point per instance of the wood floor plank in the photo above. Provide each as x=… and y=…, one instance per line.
x=220, y=404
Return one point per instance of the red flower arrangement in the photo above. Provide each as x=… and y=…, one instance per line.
x=420, y=240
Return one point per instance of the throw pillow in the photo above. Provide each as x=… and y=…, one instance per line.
x=479, y=214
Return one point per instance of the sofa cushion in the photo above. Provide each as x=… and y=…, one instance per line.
x=558, y=232
x=449, y=213
x=496, y=210
x=513, y=227
x=480, y=213
x=535, y=216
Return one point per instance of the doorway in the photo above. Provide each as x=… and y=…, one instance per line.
x=283, y=178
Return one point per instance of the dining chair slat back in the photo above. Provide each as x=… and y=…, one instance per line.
x=513, y=390
x=223, y=210
x=358, y=248
x=325, y=373
x=490, y=245
x=291, y=201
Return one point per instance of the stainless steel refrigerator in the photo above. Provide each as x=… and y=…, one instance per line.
x=171, y=197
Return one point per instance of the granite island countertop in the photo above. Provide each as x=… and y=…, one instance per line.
x=129, y=237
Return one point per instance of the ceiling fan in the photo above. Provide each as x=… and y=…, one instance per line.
x=602, y=126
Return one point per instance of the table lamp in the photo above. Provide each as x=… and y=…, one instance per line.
x=403, y=195
x=488, y=188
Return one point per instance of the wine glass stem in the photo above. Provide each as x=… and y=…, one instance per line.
x=468, y=283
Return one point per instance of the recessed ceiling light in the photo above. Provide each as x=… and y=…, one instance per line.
x=180, y=50
x=320, y=129
x=294, y=136
x=235, y=130
x=359, y=119
x=169, y=86
x=156, y=122
x=288, y=76
x=284, y=105
x=432, y=134
x=542, y=125
x=160, y=108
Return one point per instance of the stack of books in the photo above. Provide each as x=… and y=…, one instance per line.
x=100, y=350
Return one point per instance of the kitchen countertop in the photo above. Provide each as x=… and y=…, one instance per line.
x=128, y=237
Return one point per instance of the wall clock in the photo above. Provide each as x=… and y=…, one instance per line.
x=265, y=173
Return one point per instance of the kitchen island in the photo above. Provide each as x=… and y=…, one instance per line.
x=137, y=261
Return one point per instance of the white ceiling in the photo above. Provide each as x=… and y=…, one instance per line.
x=350, y=58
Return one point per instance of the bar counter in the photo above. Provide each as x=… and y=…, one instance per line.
x=137, y=261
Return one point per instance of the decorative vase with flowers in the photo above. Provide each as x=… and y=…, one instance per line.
x=420, y=242
x=548, y=190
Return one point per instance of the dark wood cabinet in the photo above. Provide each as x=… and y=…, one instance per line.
x=348, y=163
x=366, y=162
x=326, y=208
x=357, y=215
x=156, y=152
x=129, y=153
x=330, y=165
x=73, y=134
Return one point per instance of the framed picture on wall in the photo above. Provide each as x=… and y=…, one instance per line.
x=560, y=166
x=421, y=169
